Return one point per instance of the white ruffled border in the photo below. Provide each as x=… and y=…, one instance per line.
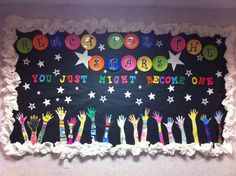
x=12, y=80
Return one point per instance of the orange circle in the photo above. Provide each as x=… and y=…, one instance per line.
x=40, y=42
x=131, y=41
x=96, y=63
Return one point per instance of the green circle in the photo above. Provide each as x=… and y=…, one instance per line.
x=24, y=45
x=160, y=63
x=210, y=52
x=115, y=41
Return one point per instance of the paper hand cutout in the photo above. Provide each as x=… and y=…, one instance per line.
x=206, y=122
x=71, y=123
x=107, y=127
x=121, y=123
x=169, y=125
x=192, y=115
x=218, y=116
x=82, y=118
x=145, y=118
x=158, y=119
x=20, y=117
x=91, y=114
x=180, y=123
x=134, y=122
x=61, y=114
x=46, y=119
x=33, y=125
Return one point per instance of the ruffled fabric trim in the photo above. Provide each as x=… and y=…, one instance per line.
x=12, y=80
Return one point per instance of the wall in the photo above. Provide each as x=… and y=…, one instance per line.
x=143, y=165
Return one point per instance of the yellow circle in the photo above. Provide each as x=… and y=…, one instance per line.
x=194, y=47
x=144, y=63
x=88, y=41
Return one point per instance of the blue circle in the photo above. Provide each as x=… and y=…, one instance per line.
x=113, y=63
x=57, y=41
x=146, y=41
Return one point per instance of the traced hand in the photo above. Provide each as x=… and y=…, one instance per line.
x=91, y=113
x=169, y=123
x=33, y=123
x=218, y=116
x=157, y=117
x=133, y=120
x=180, y=121
x=193, y=114
x=108, y=119
x=47, y=117
x=121, y=121
x=204, y=119
x=145, y=117
x=21, y=118
x=72, y=122
x=82, y=116
x=61, y=113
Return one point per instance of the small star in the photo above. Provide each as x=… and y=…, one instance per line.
x=40, y=64
x=46, y=102
x=170, y=99
x=111, y=89
x=127, y=94
x=205, y=101
x=210, y=91
x=26, y=61
x=60, y=90
x=104, y=71
x=76, y=88
x=38, y=93
x=139, y=101
x=57, y=99
x=101, y=47
x=188, y=97
x=151, y=96
x=159, y=43
x=171, y=88
x=31, y=106
x=140, y=87
x=68, y=99
x=136, y=72
x=218, y=41
x=188, y=73
x=103, y=98
x=174, y=60
x=56, y=72
x=57, y=57
x=199, y=57
x=218, y=74
x=91, y=94
x=83, y=58
x=26, y=86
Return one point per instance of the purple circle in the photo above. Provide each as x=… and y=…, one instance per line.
x=128, y=63
x=178, y=43
x=72, y=41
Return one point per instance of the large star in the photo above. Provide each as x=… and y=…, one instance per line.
x=83, y=58
x=174, y=60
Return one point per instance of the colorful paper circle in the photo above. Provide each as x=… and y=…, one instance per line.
x=88, y=41
x=146, y=41
x=96, y=63
x=113, y=63
x=40, y=42
x=178, y=43
x=131, y=41
x=210, y=52
x=72, y=41
x=160, y=63
x=115, y=41
x=194, y=47
x=144, y=63
x=24, y=45
x=128, y=63
x=56, y=41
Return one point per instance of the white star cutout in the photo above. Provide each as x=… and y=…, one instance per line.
x=205, y=101
x=76, y=88
x=136, y=72
x=46, y=102
x=199, y=57
x=91, y=94
x=127, y=94
x=218, y=74
x=111, y=89
x=174, y=60
x=210, y=91
x=104, y=71
x=31, y=106
x=38, y=93
x=57, y=57
x=139, y=87
x=188, y=97
x=26, y=61
x=83, y=58
x=26, y=86
x=40, y=64
x=218, y=41
x=101, y=47
x=68, y=99
x=188, y=73
x=151, y=96
x=171, y=88
x=103, y=99
x=170, y=99
x=57, y=99
x=139, y=101
x=159, y=43
x=60, y=90
x=56, y=72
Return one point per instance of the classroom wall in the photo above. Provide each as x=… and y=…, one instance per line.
x=143, y=165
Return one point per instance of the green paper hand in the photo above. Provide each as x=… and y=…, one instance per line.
x=91, y=113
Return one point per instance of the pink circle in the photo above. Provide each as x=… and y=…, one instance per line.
x=72, y=41
x=128, y=63
x=178, y=43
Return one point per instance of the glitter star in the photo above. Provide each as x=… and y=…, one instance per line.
x=171, y=88
x=188, y=73
x=111, y=89
x=103, y=99
x=170, y=99
x=218, y=41
x=26, y=86
x=56, y=72
x=31, y=106
x=101, y=47
x=46, y=102
x=40, y=64
x=139, y=101
x=218, y=74
x=83, y=58
x=151, y=96
x=127, y=94
x=205, y=101
x=174, y=60
x=210, y=91
x=26, y=61
x=68, y=99
x=188, y=97
x=159, y=43
x=91, y=94
x=57, y=57
x=60, y=90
